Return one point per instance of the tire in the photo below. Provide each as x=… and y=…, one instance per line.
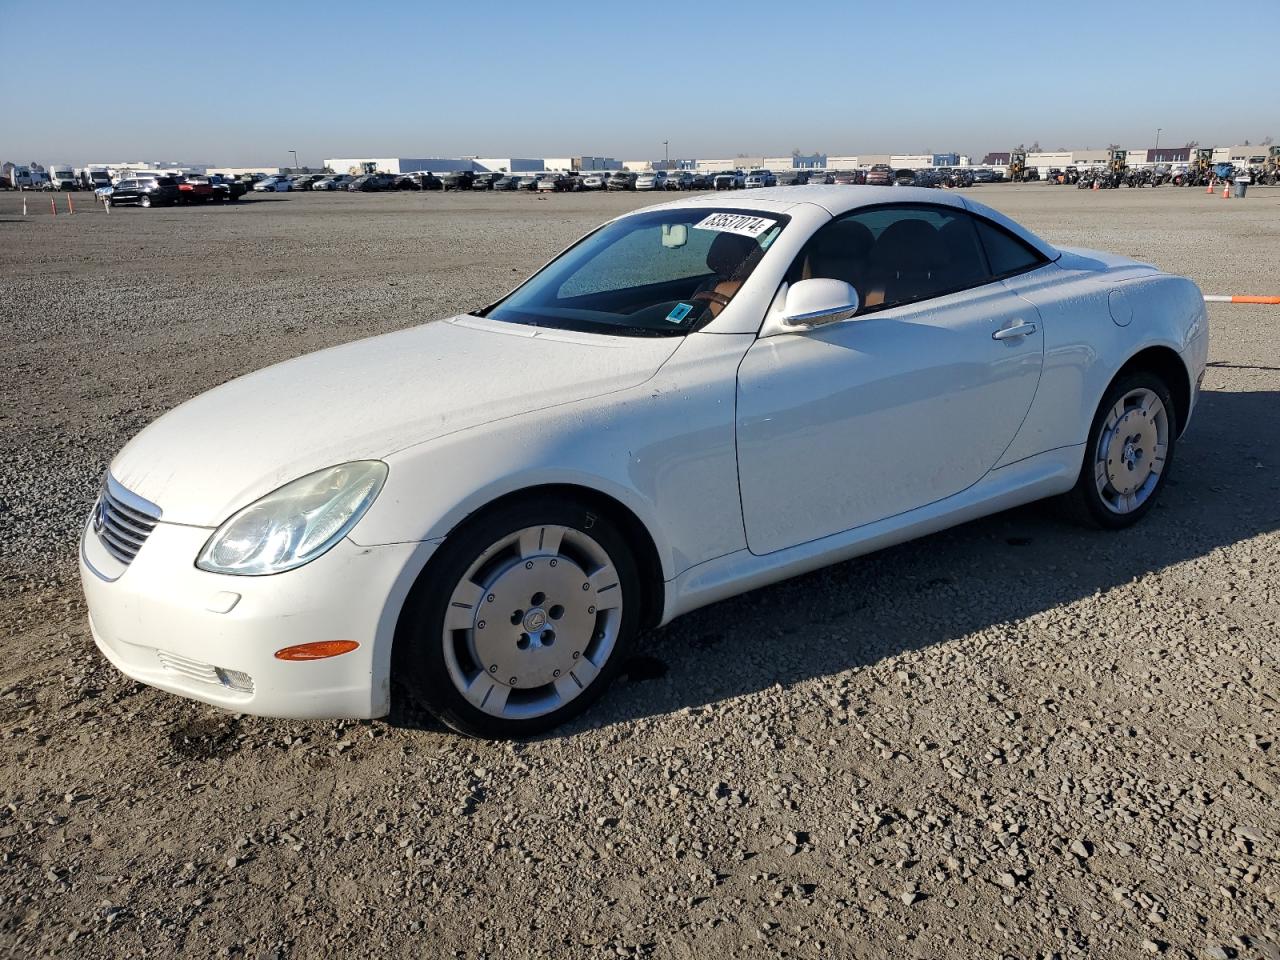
x=144, y=200
x=499, y=590
x=1129, y=453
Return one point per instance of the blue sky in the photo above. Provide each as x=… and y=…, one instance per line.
x=236, y=83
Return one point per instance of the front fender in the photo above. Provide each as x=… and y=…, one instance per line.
x=665, y=450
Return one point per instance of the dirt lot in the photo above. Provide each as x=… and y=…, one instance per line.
x=1014, y=739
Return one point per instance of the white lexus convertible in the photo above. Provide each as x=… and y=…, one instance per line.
x=692, y=401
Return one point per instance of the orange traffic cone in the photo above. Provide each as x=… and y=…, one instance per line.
x=1095, y=185
x=53, y=206
x=1226, y=189
x=1209, y=188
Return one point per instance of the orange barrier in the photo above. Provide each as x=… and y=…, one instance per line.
x=1219, y=298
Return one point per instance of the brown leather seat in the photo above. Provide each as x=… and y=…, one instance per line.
x=731, y=257
x=728, y=254
x=906, y=263
x=840, y=251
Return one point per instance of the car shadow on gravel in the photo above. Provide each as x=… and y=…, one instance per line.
x=1224, y=488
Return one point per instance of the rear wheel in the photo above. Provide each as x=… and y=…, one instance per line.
x=1129, y=453
x=523, y=618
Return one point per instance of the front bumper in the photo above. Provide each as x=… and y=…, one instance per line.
x=212, y=637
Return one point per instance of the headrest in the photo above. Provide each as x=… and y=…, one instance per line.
x=959, y=235
x=729, y=253
x=844, y=239
x=913, y=241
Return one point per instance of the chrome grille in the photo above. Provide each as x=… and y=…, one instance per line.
x=198, y=671
x=189, y=668
x=121, y=529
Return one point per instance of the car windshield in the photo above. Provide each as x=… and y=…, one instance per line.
x=661, y=273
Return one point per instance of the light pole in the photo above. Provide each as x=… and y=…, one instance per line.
x=666, y=155
x=295, y=158
x=1158, y=129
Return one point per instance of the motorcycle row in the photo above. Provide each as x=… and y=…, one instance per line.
x=1105, y=179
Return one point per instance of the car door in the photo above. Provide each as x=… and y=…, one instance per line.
x=125, y=192
x=909, y=402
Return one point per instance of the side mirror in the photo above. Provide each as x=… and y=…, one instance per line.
x=812, y=303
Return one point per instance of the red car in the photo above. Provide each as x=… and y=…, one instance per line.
x=194, y=191
x=848, y=177
x=880, y=175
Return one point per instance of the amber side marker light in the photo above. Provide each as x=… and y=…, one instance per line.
x=316, y=651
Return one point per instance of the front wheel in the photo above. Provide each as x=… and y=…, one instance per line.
x=144, y=201
x=522, y=619
x=1129, y=453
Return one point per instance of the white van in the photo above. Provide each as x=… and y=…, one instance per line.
x=63, y=177
x=95, y=177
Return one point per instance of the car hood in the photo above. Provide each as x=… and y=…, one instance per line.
x=366, y=400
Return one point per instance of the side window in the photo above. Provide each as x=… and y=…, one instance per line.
x=1005, y=252
x=897, y=254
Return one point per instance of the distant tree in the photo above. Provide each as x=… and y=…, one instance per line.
x=1034, y=148
x=1268, y=140
x=1192, y=143
x=1246, y=143
x=1113, y=146
x=1062, y=149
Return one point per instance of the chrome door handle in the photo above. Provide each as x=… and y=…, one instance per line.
x=1017, y=330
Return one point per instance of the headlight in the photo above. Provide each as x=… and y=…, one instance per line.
x=296, y=523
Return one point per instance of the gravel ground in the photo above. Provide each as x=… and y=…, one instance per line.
x=1014, y=739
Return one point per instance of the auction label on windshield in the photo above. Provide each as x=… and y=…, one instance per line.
x=743, y=224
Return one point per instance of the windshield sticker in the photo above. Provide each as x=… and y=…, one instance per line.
x=681, y=311
x=743, y=224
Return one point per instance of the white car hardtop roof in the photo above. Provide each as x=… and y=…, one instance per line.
x=839, y=199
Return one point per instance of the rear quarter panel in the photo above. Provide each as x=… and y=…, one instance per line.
x=1085, y=346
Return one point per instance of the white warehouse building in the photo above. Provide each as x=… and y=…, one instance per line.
x=360, y=165
x=513, y=164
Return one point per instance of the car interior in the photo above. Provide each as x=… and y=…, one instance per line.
x=897, y=256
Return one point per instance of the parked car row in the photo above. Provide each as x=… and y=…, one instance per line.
x=152, y=190
x=155, y=189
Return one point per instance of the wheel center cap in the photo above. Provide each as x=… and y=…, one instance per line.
x=535, y=621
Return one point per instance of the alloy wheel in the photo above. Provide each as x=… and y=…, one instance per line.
x=532, y=622
x=1132, y=448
